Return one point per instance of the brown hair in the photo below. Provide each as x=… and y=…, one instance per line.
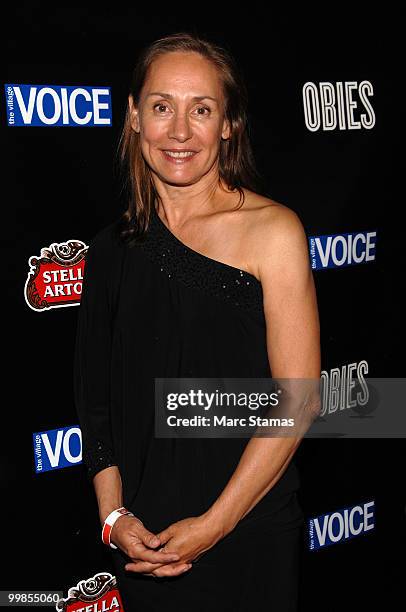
x=236, y=161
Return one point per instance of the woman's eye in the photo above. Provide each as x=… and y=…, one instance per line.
x=203, y=108
x=200, y=108
x=160, y=104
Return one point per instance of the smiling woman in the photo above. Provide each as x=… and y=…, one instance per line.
x=200, y=277
x=186, y=94
x=179, y=134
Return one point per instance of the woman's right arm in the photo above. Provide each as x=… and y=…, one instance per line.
x=109, y=491
x=100, y=288
x=93, y=352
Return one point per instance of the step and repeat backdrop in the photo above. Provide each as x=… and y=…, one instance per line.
x=324, y=130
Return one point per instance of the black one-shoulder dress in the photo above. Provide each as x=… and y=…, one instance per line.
x=161, y=309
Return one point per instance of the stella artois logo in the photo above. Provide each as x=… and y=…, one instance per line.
x=55, y=277
x=98, y=594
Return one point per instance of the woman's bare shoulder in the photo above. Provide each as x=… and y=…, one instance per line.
x=272, y=226
x=269, y=218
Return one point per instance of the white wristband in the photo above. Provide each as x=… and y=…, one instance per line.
x=109, y=522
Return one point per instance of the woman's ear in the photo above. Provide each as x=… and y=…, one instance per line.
x=135, y=124
x=226, y=133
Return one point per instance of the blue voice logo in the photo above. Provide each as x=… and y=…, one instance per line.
x=57, y=448
x=338, y=250
x=343, y=524
x=58, y=106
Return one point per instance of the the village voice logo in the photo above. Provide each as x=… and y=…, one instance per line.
x=339, y=250
x=343, y=524
x=57, y=448
x=58, y=106
x=55, y=277
x=97, y=594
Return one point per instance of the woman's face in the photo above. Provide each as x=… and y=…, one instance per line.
x=181, y=108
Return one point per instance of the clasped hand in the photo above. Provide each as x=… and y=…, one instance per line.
x=177, y=546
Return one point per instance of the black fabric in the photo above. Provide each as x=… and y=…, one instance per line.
x=256, y=567
x=161, y=309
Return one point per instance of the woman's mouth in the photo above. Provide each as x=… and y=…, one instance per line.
x=179, y=157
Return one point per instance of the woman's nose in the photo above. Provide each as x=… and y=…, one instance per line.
x=180, y=127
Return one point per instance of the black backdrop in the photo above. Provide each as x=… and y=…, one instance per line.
x=61, y=183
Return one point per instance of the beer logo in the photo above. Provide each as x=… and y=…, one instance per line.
x=55, y=277
x=98, y=594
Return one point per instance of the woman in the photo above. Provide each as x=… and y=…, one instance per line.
x=202, y=277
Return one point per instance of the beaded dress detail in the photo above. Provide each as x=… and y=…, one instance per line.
x=176, y=260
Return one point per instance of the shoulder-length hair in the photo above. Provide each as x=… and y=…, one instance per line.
x=236, y=161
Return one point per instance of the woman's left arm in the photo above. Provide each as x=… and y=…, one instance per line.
x=293, y=342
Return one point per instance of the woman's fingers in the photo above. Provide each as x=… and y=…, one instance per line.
x=156, y=569
x=138, y=551
x=169, y=570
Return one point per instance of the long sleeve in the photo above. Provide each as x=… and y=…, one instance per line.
x=92, y=354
